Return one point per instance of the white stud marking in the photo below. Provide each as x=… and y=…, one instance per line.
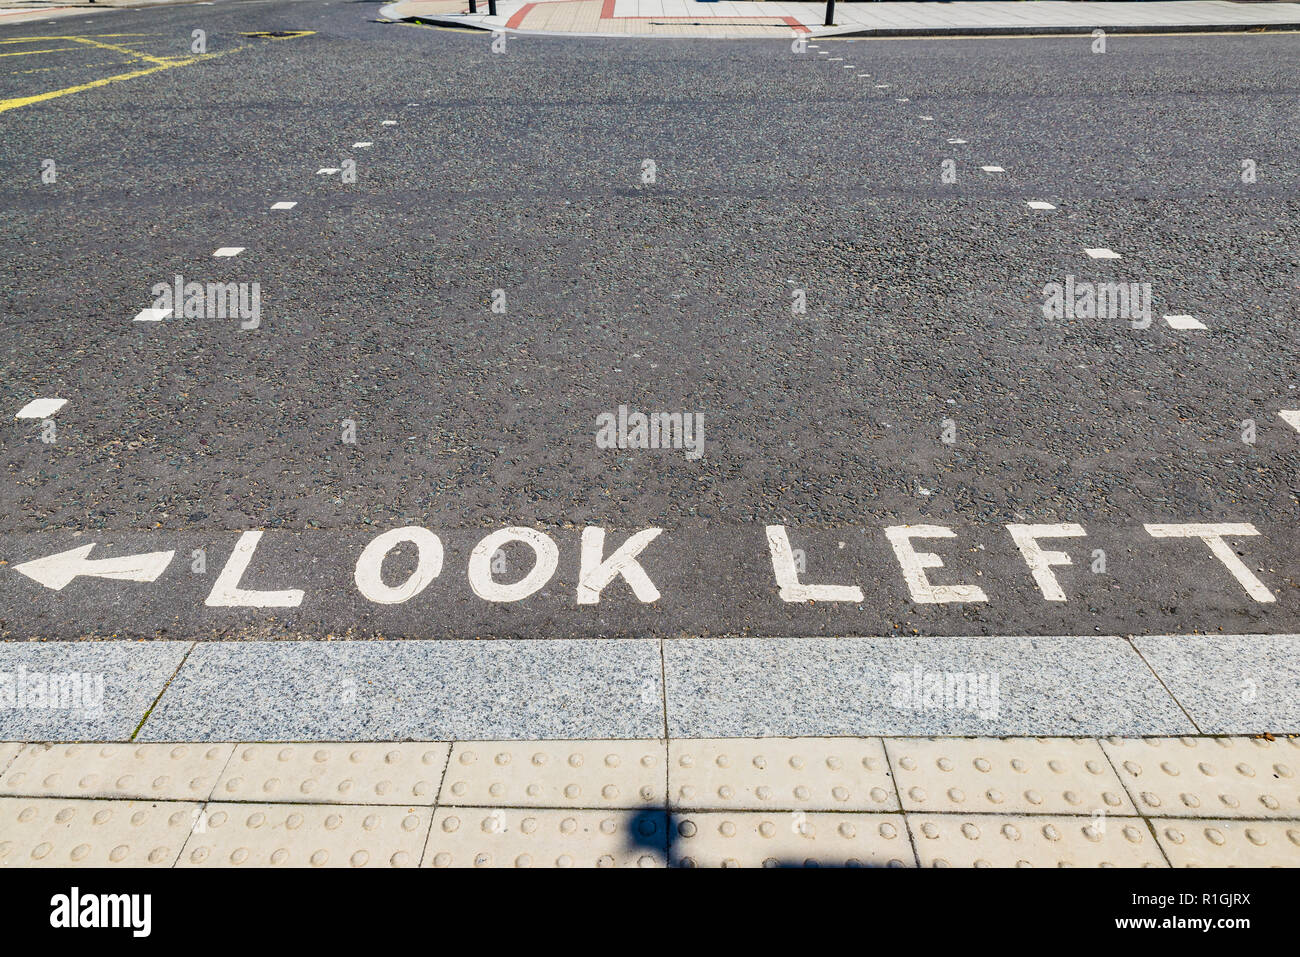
x=284, y=205
x=1039, y=204
x=226, y=252
x=1184, y=322
x=40, y=408
x=152, y=315
x=1103, y=254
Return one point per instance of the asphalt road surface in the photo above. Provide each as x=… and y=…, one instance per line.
x=801, y=253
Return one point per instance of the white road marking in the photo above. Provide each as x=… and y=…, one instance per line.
x=40, y=408
x=787, y=574
x=864, y=74
x=327, y=171
x=1212, y=535
x=1040, y=562
x=226, y=592
x=227, y=251
x=993, y=169
x=56, y=571
x=1039, y=204
x=954, y=140
x=362, y=146
x=1184, y=322
x=914, y=564
x=427, y=567
x=882, y=86
x=546, y=554
x=152, y=315
x=1103, y=254
x=1291, y=417
x=927, y=117
x=390, y=122
x=594, y=573
x=283, y=205
x=904, y=100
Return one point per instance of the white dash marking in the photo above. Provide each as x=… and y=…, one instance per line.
x=927, y=117
x=327, y=171
x=362, y=145
x=1184, y=322
x=955, y=140
x=1103, y=254
x=1039, y=204
x=390, y=122
x=882, y=86
x=864, y=74
x=283, y=205
x=152, y=315
x=40, y=408
x=1291, y=417
x=228, y=251
x=993, y=169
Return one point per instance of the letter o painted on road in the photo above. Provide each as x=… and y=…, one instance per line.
x=369, y=566
x=480, y=564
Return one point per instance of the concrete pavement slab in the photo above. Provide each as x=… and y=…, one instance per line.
x=429, y=690
x=87, y=691
x=1230, y=684
x=913, y=686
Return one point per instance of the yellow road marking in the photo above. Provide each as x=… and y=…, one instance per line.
x=157, y=60
x=30, y=52
x=102, y=36
x=19, y=101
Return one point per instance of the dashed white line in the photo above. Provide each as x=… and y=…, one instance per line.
x=955, y=141
x=1039, y=204
x=283, y=205
x=327, y=171
x=1103, y=254
x=1184, y=322
x=152, y=315
x=40, y=408
x=390, y=122
x=993, y=169
x=362, y=145
x=228, y=251
x=924, y=117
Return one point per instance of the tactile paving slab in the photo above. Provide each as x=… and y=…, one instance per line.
x=334, y=773
x=557, y=774
x=306, y=835
x=512, y=837
x=55, y=832
x=1197, y=842
x=789, y=839
x=811, y=774
x=956, y=840
x=1210, y=777
x=1020, y=776
x=175, y=772
x=8, y=751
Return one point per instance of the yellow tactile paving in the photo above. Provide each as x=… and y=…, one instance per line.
x=809, y=774
x=714, y=802
x=558, y=774
x=1210, y=777
x=334, y=773
x=55, y=832
x=164, y=772
x=306, y=835
x=1196, y=842
x=789, y=839
x=1020, y=776
x=955, y=840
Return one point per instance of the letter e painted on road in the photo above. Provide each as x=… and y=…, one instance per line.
x=915, y=563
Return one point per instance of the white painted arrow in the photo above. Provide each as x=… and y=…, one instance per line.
x=55, y=571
